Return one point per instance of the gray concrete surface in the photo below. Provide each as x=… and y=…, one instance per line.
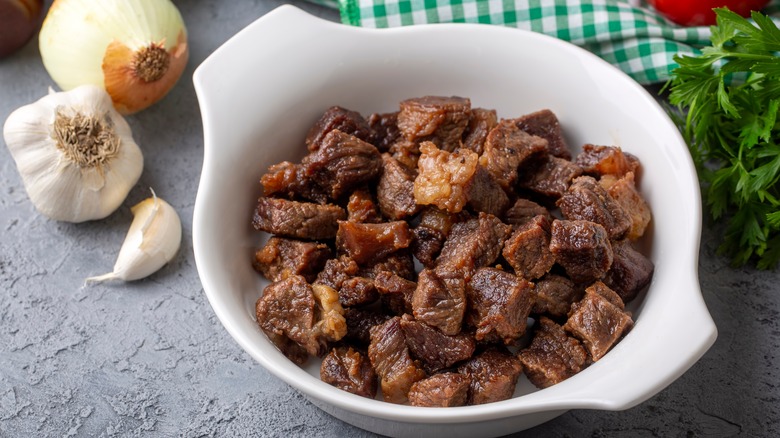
x=151, y=359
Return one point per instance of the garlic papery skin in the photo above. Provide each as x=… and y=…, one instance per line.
x=152, y=241
x=135, y=49
x=76, y=155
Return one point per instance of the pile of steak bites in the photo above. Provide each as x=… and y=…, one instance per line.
x=526, y=255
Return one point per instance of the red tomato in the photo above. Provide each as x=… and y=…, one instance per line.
x=699, y=12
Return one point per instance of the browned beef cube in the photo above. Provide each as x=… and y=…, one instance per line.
x=598, y=322
x=494, y=374
x=552, y=356
x=444, y=178
x=406, y=152
x=499, y=304
x=426, y=244
x=553, y=295
x=399, y=263
x=396, y=291
x=486, y=195
x=481, y=122
x=357, y=291
x=587, y=200
x=391, y=360
x=527, y=250
x=343, y=275
x=606, y=160
x=435, y=349
x=440, y=391
x=507, y=148
x=336, y=271
x=550, y=177
x=302, y=220
x=582, y=248
x=441, y=120
x=624, y=192
x=395, y=190
x=361, y=208
x=524, y=211
x=350, y=370
x=369, y=243
x=472, y=244
x=631, y=271
x=440, y=302
x=308, y=315
x=607, y=293
x=342, y=163
x=359, y=323
x=288, y=180
x=346, y=121
x=545, y=124
x=280, y=257
x=384, y=130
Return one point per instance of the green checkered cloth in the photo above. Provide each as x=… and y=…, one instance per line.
x=634, y=38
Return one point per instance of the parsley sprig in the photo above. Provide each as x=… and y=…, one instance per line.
x=730, y=97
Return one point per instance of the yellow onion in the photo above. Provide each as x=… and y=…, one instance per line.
x=18, y=21
x=135, y=49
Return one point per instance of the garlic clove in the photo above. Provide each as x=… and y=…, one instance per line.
x=152, y=241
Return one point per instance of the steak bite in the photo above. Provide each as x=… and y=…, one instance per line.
x=391, y=360
x=606, y=160
x=545, y=124
x=406, y=152
x=441, y=120
x=350, y=370
x=472, y=244
x=281, y=257
x=335, y=117
x=433, y=348
x=624, y=192
x=308, y=315
x=343, y=275
x=598, y=320
x=486, y=195
x=301, y=220
x=493, y=374
x=549, y=177
x=440, y=302
x=631, y=272
x=552, y=356
x=507, y=148
x=395, y=190
x=587, y=200
x=400, y=263
x=527, y=250
x=498, y=305
x=440, y=391
x=431, y=232
x=359, y=323
x=384, y=130
x=361, y=208
x=582, y=248
x=396, y=292
x=481, y=122
x=523, y=211
x=288, y=180
x=553, y=296
x=369, y=243
x=357, y=291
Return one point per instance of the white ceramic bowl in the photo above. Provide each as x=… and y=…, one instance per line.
x=261, y=91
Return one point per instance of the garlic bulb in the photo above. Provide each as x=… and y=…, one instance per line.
x=135, y=49
x=151, y=242
x=75, y=153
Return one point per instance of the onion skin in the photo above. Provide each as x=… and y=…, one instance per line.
x=18, y=21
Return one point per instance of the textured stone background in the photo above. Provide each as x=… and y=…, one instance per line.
x=151, y=359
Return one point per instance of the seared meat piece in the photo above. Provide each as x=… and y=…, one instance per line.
x=289, y=180
x=343, y=275
x=361, y=208
x=432, y=231
x=598, y=320
x=399, y=263
x=624, y=192
x=552, y=356
x=308, y=315
x=553, y=295
x=481, y=122
x=630, y=273
x=359, y=323
x=524, y=211
x=441, y=120
x=486, y=195
x=472, y=244
x=395, y=190
x=507, y=148
x=384, y=130
x=397, y=292
x=545, y=124
x=369, y=243
x=550, y=177
x=499, y=304
x=494, y=374
x=440, y=302
x=391, y=361
x=350, y=370
x=440, y=391
x=606, y=160
x=336, y=271
x=302, y=220
x=406, y=152
x=342, y=163
x=346, y=121
x=280, y=257
x=587, y=200
x=357, y=291
x=527, y=250
x=435, y=349
x=582, y=248
x=289, y=348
